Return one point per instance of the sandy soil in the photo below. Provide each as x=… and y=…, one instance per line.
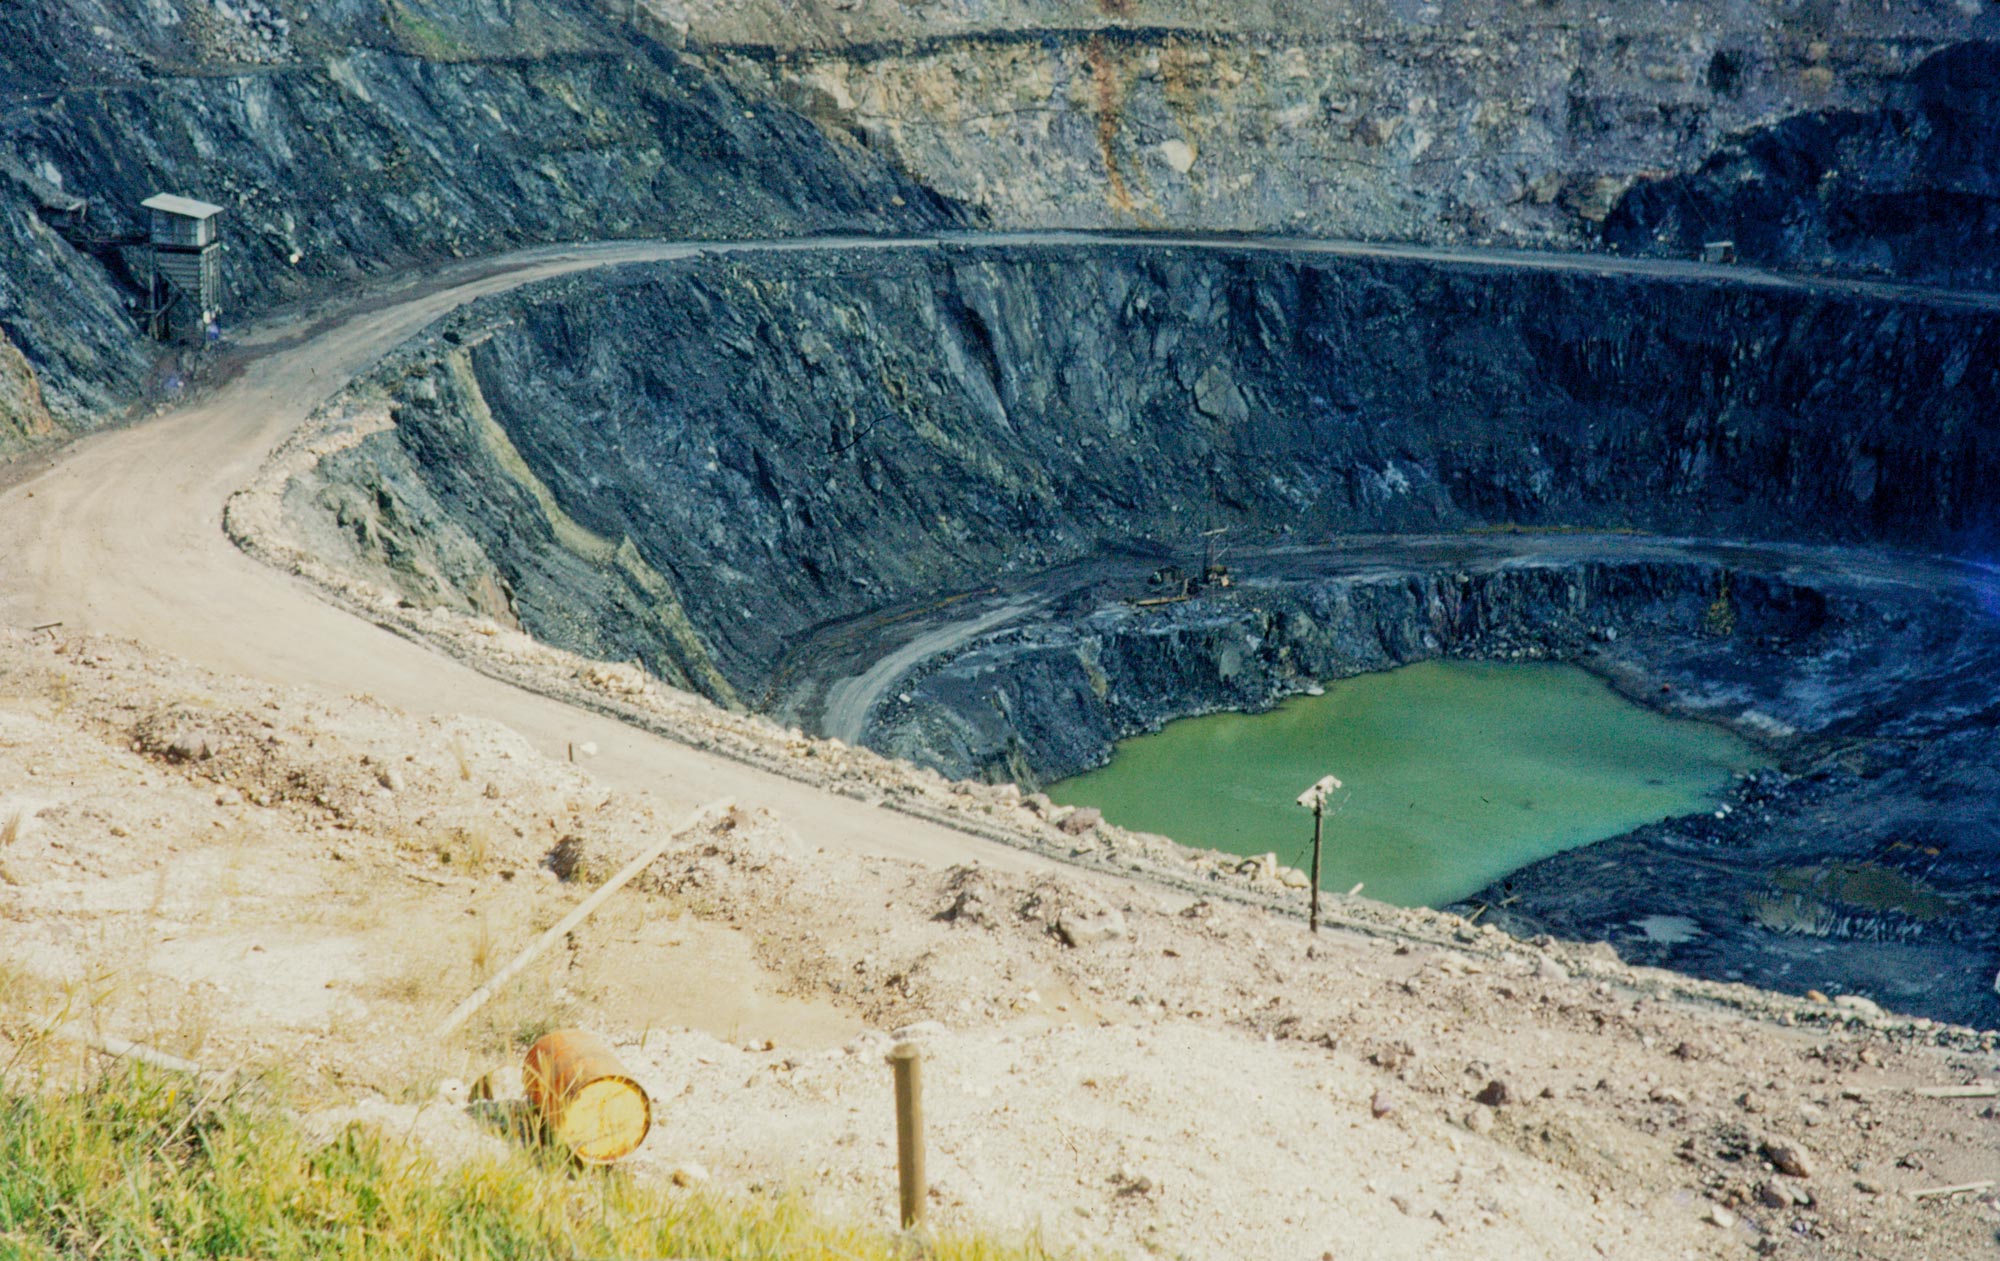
x=289, y=880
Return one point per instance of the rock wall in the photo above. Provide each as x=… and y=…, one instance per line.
x=348, y=138
x=355, y=136
x=705, y=466
x=696, y=464
x=1910, y=188
x=1046, y=700
x=1451, y=122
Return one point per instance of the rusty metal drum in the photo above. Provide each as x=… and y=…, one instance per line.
x=586, y=1097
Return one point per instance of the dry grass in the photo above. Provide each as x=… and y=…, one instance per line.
x=191, y=1025
x=10, y=832
x=484, y=948
x=539, y=994
x=470, y=849
x=25, y=998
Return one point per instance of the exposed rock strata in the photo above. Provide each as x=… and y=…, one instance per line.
x=1909, y=188
x=695, y=465
x=1447, y=123
x=1048, y=696
x=348, y=139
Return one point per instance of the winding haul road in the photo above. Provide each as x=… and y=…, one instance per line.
x=122, y=533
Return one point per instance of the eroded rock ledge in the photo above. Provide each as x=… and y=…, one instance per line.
x=695, y=466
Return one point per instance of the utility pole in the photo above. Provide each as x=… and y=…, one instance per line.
x=1314, y=799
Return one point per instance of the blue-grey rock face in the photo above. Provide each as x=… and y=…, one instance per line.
x=789, y=441
x=1910, y=188
x=342, y=140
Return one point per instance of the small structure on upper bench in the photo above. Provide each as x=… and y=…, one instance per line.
x=184, y=287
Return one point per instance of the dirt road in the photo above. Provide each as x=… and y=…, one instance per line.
x=850, y=701
x=123, y=536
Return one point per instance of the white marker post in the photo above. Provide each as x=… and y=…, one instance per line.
x=1314, y=799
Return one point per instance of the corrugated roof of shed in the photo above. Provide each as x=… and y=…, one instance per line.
x=187, y=207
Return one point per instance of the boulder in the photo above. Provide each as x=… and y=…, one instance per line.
x=971, y=897
x=576, y=858
x=1080, y=820
x=502, y=1085
x=1788, y=1157
x=191, y=746
x=1263, y=867
x=1082, y=928
x=1178, y=154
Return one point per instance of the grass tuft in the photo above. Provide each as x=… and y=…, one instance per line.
x=138, y=1164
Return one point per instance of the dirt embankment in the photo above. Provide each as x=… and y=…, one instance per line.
x=278, y=879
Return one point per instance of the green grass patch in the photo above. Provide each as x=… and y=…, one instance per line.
x=142, y=1164
x=421, y=35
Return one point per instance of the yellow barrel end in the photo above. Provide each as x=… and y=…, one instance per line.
x=589, y=1102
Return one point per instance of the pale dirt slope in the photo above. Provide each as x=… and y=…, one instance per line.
x=283, y=879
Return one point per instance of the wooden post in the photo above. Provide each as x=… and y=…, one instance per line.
x=1962, y=1188
x=909, y=1065
x=1319, y=811
x=1314, y=799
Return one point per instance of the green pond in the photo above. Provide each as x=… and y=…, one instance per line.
x=1455, y=774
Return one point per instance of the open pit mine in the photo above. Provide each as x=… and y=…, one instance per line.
x=985, y=458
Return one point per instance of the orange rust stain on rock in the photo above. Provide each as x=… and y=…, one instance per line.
x=1104, y=79
x=1178, y=82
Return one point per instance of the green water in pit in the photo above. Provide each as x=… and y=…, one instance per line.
x=1456, y=773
